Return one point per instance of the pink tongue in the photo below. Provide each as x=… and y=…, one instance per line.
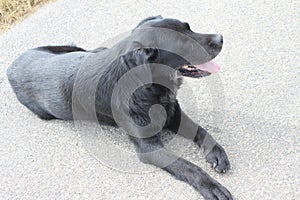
x=210, y=67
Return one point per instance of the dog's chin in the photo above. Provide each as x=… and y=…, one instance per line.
x=199, y=71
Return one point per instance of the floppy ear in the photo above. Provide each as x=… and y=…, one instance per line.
x=136, y=46
x=146, y=55
x=139, y=55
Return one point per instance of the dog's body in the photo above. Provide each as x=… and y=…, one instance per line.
x=43, y=80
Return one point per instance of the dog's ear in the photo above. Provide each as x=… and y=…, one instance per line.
x=136, y=46
x=143, y=54
x=139, y=55
x=146, y=55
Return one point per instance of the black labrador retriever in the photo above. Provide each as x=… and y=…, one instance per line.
x=44, y=78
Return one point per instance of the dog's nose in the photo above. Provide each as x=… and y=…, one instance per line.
x=216, y=40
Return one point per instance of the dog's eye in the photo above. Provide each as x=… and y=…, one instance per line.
x=187, y=26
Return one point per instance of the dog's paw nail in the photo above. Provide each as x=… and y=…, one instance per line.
x=218, y=159
x=214, y=165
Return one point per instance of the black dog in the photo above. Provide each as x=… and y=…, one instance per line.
x=44, y=79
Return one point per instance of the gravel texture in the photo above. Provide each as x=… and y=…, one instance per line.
x=258, y=124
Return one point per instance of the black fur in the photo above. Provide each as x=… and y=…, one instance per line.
x=43, y=80
x=60, y=49
x=148, y=19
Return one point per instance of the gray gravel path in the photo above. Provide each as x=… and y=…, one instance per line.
x=260, y=76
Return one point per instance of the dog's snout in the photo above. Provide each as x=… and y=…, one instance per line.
x=213, y=44
x=216, y=40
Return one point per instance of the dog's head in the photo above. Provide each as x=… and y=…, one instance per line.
x=173, y=43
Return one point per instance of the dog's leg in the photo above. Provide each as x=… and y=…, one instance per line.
x=151, y=151
x=214, y=154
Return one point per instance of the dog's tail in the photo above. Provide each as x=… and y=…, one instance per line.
x=60, y=49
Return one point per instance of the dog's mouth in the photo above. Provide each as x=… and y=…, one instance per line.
x=198, y=71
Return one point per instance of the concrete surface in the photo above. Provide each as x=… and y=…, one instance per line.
x=260, y=76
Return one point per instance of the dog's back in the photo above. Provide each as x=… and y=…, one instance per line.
x=53, y=69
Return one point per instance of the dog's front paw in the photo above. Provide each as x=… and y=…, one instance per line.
x=218, y=159
x=211, y=189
